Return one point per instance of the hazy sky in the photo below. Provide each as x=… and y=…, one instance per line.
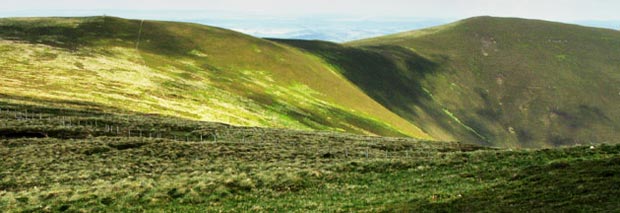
x=559, y=10
x=332, y=20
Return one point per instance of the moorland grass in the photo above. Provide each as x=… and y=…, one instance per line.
x=155, y=163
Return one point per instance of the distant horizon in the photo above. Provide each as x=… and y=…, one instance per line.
x=328, y=27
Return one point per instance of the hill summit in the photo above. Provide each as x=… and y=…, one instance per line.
x=495, y=81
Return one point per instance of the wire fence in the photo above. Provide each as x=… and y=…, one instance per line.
x=22, y=123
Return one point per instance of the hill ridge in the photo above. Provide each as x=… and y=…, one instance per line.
x=486, y=80
x=248, y=80
x=523, y=72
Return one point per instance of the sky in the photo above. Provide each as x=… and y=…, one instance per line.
x=292, y=18
x=542, y=9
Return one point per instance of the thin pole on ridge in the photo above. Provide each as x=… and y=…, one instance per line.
x=139, y=34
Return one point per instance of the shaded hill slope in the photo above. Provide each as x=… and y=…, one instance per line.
x=184, y=70
x=495, y=81
x=391, y=75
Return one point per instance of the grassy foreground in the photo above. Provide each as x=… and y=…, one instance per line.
x=56, y=159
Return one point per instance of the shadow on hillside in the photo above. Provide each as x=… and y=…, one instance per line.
x=76, y=108
x=391, y=75
x=51, y=31
x=67, y=107
x=27, y=117
x=96, y=30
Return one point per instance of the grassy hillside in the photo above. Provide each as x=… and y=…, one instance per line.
x=393, y=76
x=57, y=159
x=491, y=81
x=495, y=81
x=110, y=115
x=184, y=70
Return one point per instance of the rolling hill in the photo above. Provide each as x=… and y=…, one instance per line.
x=183, y=70
x=106, y=114
x=494, y=81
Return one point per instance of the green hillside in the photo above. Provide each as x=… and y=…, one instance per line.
x=393, y=76
x=495, y=81
x=183, y=70
x=492, y=81
x=103, y=114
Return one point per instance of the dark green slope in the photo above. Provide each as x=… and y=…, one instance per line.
x=393, y=76
x=499, y=81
